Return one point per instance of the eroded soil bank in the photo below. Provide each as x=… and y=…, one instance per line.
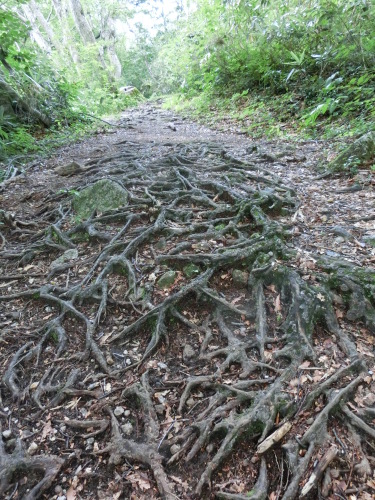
x=150, y=350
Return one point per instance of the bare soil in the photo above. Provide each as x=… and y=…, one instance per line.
x=250, y=375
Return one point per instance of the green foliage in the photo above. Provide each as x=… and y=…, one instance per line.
x=318, y=54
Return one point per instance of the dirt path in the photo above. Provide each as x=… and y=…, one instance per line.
x=229, y=300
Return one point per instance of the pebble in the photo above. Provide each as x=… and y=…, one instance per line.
x=62, y=497
x=128, y=361
x=32, y=448
x=188, y=352
x=119, y=410
x=159, y=409
x=310, y=421
x=90, y=441
x=339, y=240
x=127, y=413
x=210, y=448
x=58, y=490
x=7, y=434
x=110, y=360
x=162, y=366
x=175, y=448
x=190, y=402
x=127, y=429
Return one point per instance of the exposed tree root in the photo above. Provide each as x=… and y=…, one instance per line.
x=239, y=343
x=19, y=464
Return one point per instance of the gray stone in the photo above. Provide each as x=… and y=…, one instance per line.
x=127, y=413
x=7, y=434
x=32, y=448
x=358, y=153
x=339, y=240
x=127, y=428
x=188, y=353
x=161, y=244
x=175, y=448
x=66, y=257
x=191, y=270
x=68, y=169
x=240, y=278
x=340, y=231
x=167, y=279
x=102, y=196
x=119, y=410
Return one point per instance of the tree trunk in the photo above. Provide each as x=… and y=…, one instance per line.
x=62, y=12
x=83, y=27
x=35, y=34
x=108, y=34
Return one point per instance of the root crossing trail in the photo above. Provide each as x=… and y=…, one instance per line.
x=213, y=337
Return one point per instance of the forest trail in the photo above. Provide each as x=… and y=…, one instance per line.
x=229, y=300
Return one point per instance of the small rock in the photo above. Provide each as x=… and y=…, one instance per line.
x=62, y=497
x=127, y=413
x=128, y=361
x=159, y=409
x=7, y=434
x=32, y=448
x=335, y=473
x=240, y=278
x=110, y=360
x=188, y=353
x=340, y=231
x=175, y=448
x=15, y=314
x=190, y=402
x=90, y=441
x=58, y=490
x=310, y=421
x=166, y=280
x=119, y=410
x=127, y=428
x=66, y=257
x=83, y=412
x=339, y=240
x=69, y=169
x=210, y=448
x=191, y=270
x=162, y=366
x=161, y=244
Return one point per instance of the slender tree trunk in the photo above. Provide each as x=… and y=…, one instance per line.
x=62, y=12
x=108, y=34
x=83, y=27
x=35, y=34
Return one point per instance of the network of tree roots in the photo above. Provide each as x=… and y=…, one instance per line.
x=113, y=385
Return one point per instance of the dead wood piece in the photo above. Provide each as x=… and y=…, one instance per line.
x=327, y=458
x=274, y=438
x=86, y=424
